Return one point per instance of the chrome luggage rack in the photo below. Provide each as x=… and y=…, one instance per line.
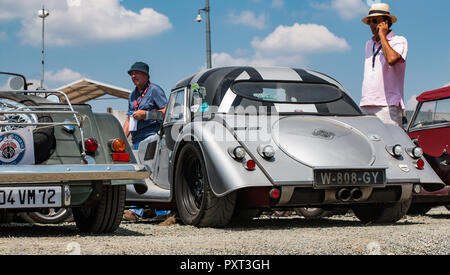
x=49, y=109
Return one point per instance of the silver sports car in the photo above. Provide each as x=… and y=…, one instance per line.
x=241, y=138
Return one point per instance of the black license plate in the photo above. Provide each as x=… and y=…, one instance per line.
x=340, y=178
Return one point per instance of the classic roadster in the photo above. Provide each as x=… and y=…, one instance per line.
x=241, y=138
x=62, y=156
x=430, y=129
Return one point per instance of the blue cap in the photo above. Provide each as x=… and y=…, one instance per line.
x=139, y=66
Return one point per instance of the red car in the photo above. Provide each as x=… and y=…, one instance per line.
x=430, y=130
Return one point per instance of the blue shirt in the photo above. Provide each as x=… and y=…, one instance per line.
x=153, y=99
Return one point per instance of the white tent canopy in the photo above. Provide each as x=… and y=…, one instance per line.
x=85, y=89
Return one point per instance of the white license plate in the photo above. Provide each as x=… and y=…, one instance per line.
x=30, y=197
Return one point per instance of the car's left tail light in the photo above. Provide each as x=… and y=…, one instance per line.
x=90, y=145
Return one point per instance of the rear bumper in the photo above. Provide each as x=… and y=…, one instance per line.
x=301, y=196
x=87, y=172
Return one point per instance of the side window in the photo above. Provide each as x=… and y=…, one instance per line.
x=176, y=107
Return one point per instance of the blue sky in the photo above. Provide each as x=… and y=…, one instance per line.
x=100, y=39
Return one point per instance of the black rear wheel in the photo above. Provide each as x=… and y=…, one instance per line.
x=382, y=213
x=106, y=216
x=197, y=205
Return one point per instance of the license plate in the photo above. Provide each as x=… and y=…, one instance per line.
x=337, y=178
x=30, y=197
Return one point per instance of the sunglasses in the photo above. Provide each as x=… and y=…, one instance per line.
x=376, y=21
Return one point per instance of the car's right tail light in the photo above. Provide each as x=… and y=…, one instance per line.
x=420, y=164
x=118, y=147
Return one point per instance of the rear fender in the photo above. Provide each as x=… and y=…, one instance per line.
x=225, y=174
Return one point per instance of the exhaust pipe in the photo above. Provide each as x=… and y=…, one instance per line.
x=356, y=194
x=344, y=194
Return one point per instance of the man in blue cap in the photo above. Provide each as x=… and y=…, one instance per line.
x=146, y=106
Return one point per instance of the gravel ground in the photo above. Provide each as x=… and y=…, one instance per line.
x=267, y=235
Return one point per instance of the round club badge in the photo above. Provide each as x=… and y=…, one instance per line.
x=12, y=149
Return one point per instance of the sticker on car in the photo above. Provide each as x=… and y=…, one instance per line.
x=16, y=147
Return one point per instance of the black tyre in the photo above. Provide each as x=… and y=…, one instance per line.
x=196, y=203
x=418, y=209
x=48, y=216
x=106, y=216
x=382, y=213
x=44, y=138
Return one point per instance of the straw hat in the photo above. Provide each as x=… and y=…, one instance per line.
x=379, y=9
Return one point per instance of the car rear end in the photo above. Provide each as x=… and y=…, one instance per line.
x=84, y=154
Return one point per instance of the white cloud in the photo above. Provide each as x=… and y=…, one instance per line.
x=411, y=103
x=224, y=59
x=347, y=9
x=278, y=3
x=304, y=38
x=248, y=18
x=62, y=76
x=448, y=84
x=13, y=9
x=82, y=21
x=287, y=46
x=53, y=79
x=35, y=84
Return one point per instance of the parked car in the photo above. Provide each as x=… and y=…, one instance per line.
x=236, y=139
x=430, y=129
x=55, y=155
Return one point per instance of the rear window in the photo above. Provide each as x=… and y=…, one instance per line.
x=295, y=97
x=304, y=93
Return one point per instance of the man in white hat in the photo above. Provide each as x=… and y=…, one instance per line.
x=384, y=67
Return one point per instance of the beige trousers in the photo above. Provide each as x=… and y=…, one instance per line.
x=389, y=115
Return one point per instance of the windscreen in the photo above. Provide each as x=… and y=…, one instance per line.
x=432, y=113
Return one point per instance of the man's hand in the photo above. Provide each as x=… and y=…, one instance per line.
x=383, y=29
x=140, y=114
x=391, y=56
